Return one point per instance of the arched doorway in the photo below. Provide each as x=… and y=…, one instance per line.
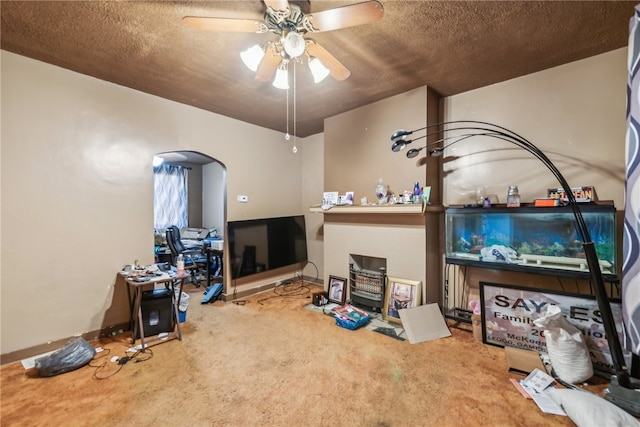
x=201, y=203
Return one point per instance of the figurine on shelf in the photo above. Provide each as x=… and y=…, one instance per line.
x=391, y=197
x=381, y=192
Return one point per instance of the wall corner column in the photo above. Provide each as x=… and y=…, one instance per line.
x=434, y=215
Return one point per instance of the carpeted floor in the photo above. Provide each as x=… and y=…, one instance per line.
x=271, y=362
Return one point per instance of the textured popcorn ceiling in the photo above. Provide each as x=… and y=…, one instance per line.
x=450, y=46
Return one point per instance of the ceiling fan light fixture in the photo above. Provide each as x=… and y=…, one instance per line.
x=318, y=70
x=282, y=78
x=293, y=44
x=252, y=57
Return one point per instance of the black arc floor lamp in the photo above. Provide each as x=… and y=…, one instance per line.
x=623, y=390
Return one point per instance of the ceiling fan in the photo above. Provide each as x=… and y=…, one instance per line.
x=291, y=25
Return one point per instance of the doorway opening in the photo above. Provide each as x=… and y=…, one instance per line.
x=189, y=193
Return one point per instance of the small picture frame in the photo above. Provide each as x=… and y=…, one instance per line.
x=337, y=289
x=400, y=293
x=426, y=194
x=330, y=198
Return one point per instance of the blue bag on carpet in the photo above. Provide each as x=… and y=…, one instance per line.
x=212, y=293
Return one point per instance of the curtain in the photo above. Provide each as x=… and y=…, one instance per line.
x=631, y=234
x=170, y=197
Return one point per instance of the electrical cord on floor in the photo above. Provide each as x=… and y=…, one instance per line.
x=288, y=289
x=102, y=365
x=235, y=295
x=136, y=356
x=104, y=353
x=317, y=272
x=285, y=289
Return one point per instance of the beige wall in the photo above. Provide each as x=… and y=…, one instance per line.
x=77, y=191
x=214, y=196
x=574, y=113
x=312, y=150
x=358, y=146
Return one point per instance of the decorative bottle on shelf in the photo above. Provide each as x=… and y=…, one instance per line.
x=381, y=192
x=417, y=192
x=513, y=197
x=480, y=190
x=180, y=264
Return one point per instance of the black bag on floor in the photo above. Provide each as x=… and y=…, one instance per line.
x=76, y=353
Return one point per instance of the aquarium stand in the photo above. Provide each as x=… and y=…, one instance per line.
x=459, y=315
x=458, y=294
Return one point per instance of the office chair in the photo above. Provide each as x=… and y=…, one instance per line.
x=194, y=261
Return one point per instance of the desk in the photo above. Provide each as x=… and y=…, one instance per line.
x=135, y=304
x=217, y=254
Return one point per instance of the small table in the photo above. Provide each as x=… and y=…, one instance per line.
x=135, y=284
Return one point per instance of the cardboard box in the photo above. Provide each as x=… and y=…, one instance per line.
x=546, y=202
x=523, y=361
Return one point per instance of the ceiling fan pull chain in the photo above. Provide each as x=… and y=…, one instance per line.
x=287, y=136
x=294, y=149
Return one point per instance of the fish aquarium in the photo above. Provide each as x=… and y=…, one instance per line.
x=531, y=239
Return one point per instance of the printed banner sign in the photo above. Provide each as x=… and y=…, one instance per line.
x=508, y=313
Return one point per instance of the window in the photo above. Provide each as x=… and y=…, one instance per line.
x=170, y=196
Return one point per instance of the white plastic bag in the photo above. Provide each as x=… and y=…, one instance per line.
x=566, y=347
x=184, y=300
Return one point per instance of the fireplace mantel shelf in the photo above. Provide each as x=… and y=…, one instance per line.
x=407, y=209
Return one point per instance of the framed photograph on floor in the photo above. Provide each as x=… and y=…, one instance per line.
x=399, y=294
x=337, y=289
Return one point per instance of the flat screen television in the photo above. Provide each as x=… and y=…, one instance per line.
x=259, y=245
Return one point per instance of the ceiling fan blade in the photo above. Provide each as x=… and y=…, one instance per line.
x=279, y=5
x=269, y=63
x=346, y=16
x=225, y=24
x=337, y=70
